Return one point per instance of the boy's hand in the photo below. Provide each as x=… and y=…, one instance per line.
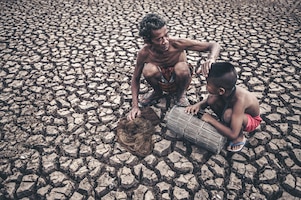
x=135, y=112
x=207, y=117
x=193, y=109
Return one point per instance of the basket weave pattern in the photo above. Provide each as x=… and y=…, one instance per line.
x=195, y=130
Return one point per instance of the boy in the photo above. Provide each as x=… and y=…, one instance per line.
x=237, y=108
x=163, y=63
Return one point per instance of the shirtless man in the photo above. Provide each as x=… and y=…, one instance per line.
x=163, y=63
x=237, y=108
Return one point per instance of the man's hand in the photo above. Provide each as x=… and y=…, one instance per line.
x=135, y=112
x=205, y=67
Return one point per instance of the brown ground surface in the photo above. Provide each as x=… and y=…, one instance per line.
x=65, y=70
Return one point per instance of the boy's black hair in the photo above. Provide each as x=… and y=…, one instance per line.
x=223, y=74
x=148, y=23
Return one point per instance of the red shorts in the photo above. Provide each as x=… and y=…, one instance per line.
x=253, y=122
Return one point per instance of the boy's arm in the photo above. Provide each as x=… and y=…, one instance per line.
x=236, y=123
x=194, y=109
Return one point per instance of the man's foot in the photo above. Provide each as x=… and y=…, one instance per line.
x=183, y=101
x=236, y=147
x=150, y=98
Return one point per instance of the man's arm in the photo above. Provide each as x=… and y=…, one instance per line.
x=214, y=49
x=195, y=45
x=135, y=86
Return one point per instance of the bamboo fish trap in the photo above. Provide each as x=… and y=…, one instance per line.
x=194, y=130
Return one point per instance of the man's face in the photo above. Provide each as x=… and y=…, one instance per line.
x=160, y=39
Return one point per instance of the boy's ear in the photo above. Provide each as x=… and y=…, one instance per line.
x=221, y=91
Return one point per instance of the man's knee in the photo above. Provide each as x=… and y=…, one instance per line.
x=150, y=70
x=182, y=68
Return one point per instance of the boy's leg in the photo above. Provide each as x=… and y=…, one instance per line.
x=228, y=115
x=239, y=142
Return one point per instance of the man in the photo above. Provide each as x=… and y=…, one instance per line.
x=163, y=63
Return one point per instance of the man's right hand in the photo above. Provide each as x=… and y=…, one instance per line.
x=135, y=112
x=203, y=68
x=206, y=67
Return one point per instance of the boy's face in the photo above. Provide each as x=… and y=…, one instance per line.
x=160, y=39
x=213, y=90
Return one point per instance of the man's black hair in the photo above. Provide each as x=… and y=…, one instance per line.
x=217, y=74
x=148, y=23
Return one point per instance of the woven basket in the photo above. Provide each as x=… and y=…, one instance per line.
x=194, y=130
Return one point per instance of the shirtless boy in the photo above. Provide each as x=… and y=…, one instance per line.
x=237, y=108
x=163, y=63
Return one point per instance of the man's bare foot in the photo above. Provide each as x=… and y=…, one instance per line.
x=150, y=98
x=182, y=101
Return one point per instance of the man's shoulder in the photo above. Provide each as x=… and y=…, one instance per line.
x=144, y=50
x=174, y=40
x=181, y=42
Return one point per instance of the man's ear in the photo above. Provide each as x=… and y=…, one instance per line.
x=221, y=91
